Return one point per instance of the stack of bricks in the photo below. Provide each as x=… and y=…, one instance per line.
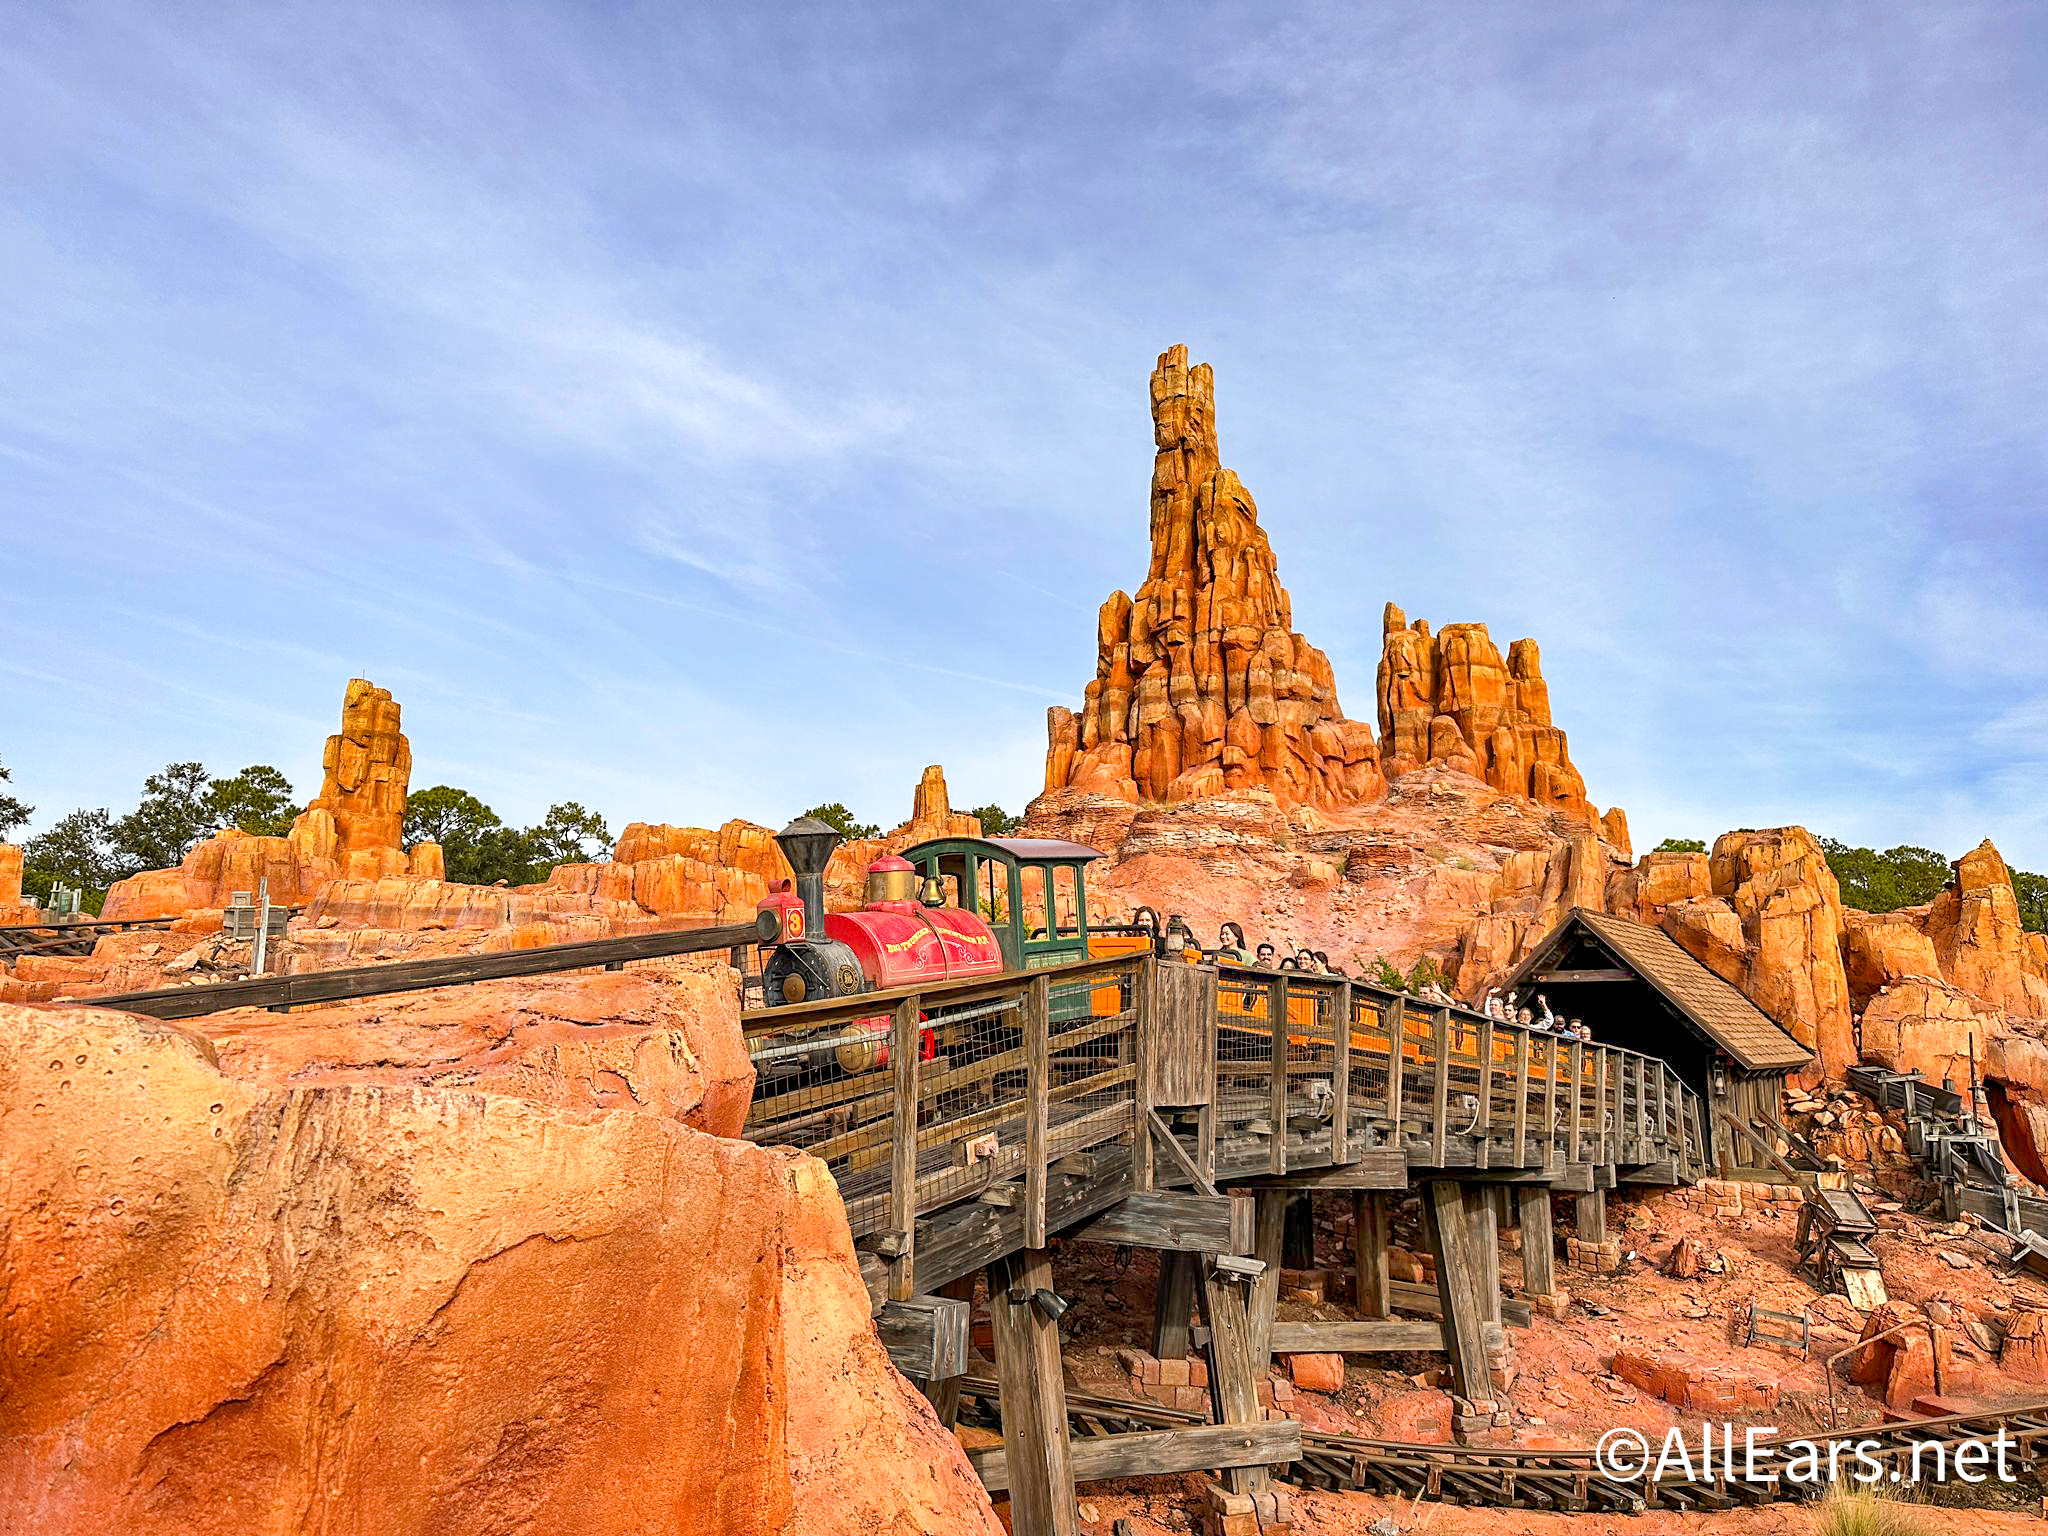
x=1595, y=1258
x=1184, y=1384
x=1726, y=1199
x=1690, y=1383
x=1223, y=1513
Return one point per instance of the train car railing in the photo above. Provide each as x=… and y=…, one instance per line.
x=921, y=1098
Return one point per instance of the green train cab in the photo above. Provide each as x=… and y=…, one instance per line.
x=1029, y=890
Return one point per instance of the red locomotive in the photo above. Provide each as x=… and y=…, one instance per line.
x=895, y=940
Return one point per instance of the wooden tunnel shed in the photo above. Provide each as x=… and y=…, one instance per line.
x=1636, y=988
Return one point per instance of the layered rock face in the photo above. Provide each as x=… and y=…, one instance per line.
x=1201, y=684
x=241, y=1305
x=13, y=909
x=1452, y=699
x=932, y=814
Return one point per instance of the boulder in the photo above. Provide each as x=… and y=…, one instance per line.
x=1201, y=684
x=237, y=1306
x=1927, y=1027
x=1974, y=925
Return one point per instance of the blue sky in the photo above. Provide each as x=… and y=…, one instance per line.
x=702, y=412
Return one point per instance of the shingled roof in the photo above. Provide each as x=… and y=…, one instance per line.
x=1713, y=1005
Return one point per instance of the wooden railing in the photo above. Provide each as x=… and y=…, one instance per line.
x=921, y=1098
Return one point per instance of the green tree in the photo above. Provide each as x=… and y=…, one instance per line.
x=568, y=835
x=258, y=800
x=172, y=817
x=477, y=848
x=77, y=851
x=995, y=821
x=12, y=812
x=1680, y=845
x=1884, y=882
x=840, y=820
x=2032, y=891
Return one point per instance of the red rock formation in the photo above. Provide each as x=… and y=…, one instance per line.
x=1451, y=699
x=235, y=1306
x=366, y=769
x=1975, y=928
x=13, y=909
x=1927, y=1027
x=932, y=814
x=1201, y=684
x=1532, y=894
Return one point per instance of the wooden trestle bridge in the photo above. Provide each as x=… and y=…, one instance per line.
x=1151, y=1103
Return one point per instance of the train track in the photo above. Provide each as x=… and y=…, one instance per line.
x=1571, y=1480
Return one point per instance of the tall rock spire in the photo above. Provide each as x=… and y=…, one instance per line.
x=1201, y=684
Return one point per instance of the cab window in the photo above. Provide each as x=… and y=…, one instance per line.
x=994, y=892
x=1035, y=893
x=1066, y=900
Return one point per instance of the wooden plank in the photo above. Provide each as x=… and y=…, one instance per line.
x=301, y=988
x=1422, y=1300
x=1440, y=1049
x=1484, y=1124
x=1575, y=1076
x=944, y=1392
x=926, y=1336
x=1539, y=1242
x=1550, y=1085
x=1609, y=973
x=1607, y=1121
x=904, y=1026
x=1158, y=1452
x=1037, y=1025
x=1276, y=1003
x=1182, y=1034
x=1379, y=1336
x=1372, y=1236
x=1591, y=1223
x=1394, y=1017
x=1186, y=1223
x=1340, y=1072
x=1457, y=1282
x=1177, y=1154
x=1269, y=1246
x=961, y=1237
x=1033, y=1398
x=1235, y=1371
x=1371, y=1168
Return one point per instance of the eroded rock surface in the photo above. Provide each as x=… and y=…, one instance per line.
x=1201, y=684
x=235, y=1306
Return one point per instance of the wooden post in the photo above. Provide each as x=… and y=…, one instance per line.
x=1340, y=1076
x=1539, y=1251
x=1592, y=1217
x=1173, y=1301
x=945, y=1395
x=1037, y=1029
x=1144, y=1036
x=1034, y=1398
x=1372, y=1235
x=903, y=1050
x=1550, y=1100
x=1276, y=1004
x=1482, y=1221
x=1269, y=1242
x=1440, y=1038
x=1235, y=1370
x=1521, y=1098
x=1394, y=1016
x=1575, y=1069
x=1483, y=1127
x=1457, y=1288
x=1607, y=1125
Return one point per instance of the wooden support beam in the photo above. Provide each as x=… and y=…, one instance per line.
x=1185, y=1223
x=1482, y=1224
x=1178, y=1155
x=1610, y=973
x=1422, y=1301
x=1539, y=1243
x=1440, y=1052
x=1394, y=1019
x=926, y=1336
x=1372, y=1235
x=944, y=1392
x=1038, y=1468
x=1144, y=1041
x=1173, y=1303
x=1374, y=1168
x=1235, y=1368
x=1276, y=1003
x=1158, y=1452
x=1457, y=1284
x=1378, y=1336
x=1591, y=1223
x=1036, y=1024
x=1269, y=1241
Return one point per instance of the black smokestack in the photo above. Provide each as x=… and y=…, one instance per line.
x=808, y=843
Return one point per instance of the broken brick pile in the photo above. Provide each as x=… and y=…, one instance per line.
x=1184, y=1384
x=1223, y=1513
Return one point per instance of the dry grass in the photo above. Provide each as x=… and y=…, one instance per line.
x=1861, y=1512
